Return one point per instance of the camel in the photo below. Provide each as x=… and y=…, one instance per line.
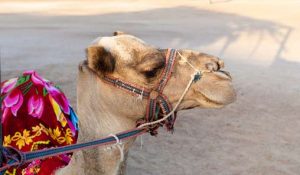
x=104, y=109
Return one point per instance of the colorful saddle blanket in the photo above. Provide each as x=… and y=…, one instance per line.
x=36, y=115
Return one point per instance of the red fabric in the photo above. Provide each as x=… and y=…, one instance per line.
x=36, y=115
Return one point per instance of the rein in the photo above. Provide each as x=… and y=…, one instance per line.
x=14, y=157
x=159, y=112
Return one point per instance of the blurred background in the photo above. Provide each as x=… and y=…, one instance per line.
x=257, y=39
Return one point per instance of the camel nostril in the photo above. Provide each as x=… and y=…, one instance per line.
x=221, y=64
x=211, y=67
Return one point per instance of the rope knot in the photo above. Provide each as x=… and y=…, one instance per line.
x=197, y=76
x=119, y=145
x=11, y=153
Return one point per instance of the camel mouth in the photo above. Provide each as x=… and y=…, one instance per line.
x=226, y=73
x=216, y=90
x=228, y=96
x=223, y=74
x=202, y=101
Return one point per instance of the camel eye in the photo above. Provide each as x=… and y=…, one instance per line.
x=153, y=72
x=150, y=74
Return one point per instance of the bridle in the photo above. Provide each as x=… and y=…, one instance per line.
x=158, y=105
x=159, y=112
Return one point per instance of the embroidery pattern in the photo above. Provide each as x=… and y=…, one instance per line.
x=27, y=138
x=36, y=115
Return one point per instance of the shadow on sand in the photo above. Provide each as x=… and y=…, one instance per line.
x=62, y=39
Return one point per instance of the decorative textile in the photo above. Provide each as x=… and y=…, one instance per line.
x=36, y=115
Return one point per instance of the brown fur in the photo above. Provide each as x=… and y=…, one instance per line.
x=100, y=60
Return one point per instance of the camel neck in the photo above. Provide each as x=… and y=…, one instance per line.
x=99, y=107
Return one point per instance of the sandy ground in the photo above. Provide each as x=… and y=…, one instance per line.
x=259, y=40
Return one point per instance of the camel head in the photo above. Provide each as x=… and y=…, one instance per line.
x=130, y=59
x=104, y=108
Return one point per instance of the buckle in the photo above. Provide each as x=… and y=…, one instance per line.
x=153, y=95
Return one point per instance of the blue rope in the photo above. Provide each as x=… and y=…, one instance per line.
x=70, y=148
x=30, y=156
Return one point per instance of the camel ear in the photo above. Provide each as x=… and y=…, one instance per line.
x=116, y=33
x=100, y=60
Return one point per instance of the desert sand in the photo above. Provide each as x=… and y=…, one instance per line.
x=259, y=134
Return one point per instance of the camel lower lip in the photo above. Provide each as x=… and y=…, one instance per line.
x=212, y=101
